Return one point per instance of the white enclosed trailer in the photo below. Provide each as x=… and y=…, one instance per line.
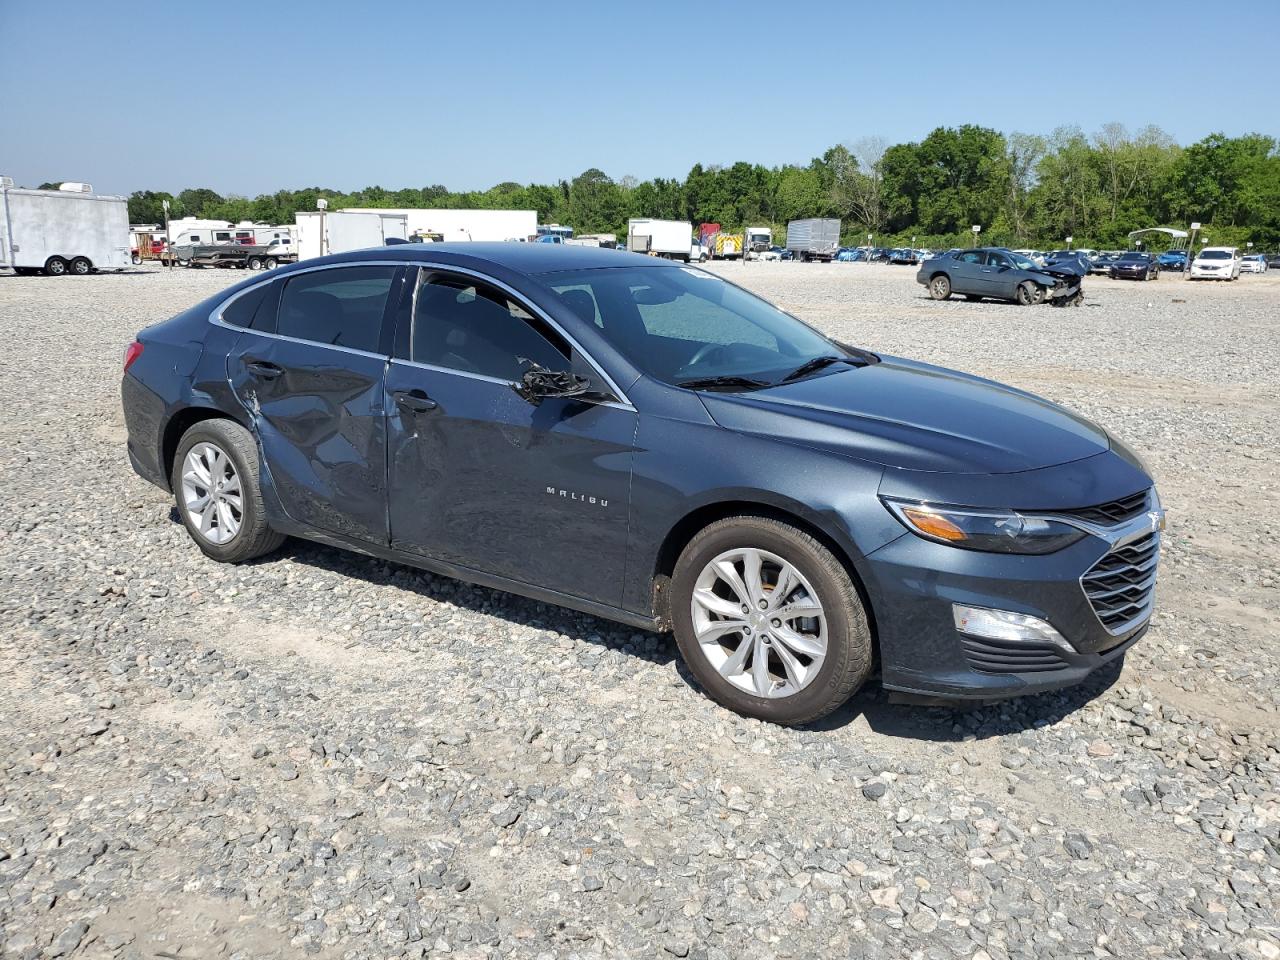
x=463, y=225
x=672, y=239
x=69, y=230
x=346, y=230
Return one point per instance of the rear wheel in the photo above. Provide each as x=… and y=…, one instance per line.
x=55, y=267
x=215, y=483
x=769, y=621
x=270, y=263
x=136, y=259
x=81, y=266
x=940, y=287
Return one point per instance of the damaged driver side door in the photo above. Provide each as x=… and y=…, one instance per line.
x=486, y=479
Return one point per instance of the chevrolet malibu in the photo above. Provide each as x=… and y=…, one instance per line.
x=648, y=443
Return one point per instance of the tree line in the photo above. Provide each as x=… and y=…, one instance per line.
x=1025, y=190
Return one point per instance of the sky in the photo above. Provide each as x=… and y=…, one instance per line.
x=252, y=98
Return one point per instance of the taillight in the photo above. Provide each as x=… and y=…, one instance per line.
x=131, y=353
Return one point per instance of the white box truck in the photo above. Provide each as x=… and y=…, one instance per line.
x=672, y=239
x=346, y=230
x=68, y=230
x=463, y=225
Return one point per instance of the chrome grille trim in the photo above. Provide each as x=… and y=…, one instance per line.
x=1120, y=587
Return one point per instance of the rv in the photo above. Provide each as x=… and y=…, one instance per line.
x=346, y=230
x=463, y=225
x=68, y=230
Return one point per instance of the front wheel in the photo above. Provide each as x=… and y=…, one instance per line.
x=215, y=483
x=769, y=621
x=940, y=287
x=136, y=259
x=1027, y=294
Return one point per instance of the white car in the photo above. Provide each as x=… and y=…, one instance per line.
x=1253, y=263
x=1216, y=263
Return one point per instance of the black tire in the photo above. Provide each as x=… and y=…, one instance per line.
x=81, y=266
x=183, y=263
x=270, y=263
x=849, y=649
x=940, y=287
x=55, y=267
x=1027, y=294
x=254, y=538
x=972, y=297
x=255, y=263
x=136, y=259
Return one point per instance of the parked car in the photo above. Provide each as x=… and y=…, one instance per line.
x=648, y=443
x=999, y=274
x=1216, y=263
x=1172, y=260
x=1134, y=266
x=1273, y=261
x=1078, y=257
x=770, y=253
x=904, y=256
x=1253, y=263
x=1102, y=262
x=850, y=255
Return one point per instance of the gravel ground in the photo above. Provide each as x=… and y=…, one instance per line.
x=322, y=754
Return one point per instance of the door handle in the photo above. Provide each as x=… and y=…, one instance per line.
x=414, y=400
x=264, y=369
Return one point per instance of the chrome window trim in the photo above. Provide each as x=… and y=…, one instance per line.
x=435, y=368
x=215, y=318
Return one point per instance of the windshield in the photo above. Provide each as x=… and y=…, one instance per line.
x=1134, y=256
x=1214, y=255
x=679, y=324
x=1021, y=262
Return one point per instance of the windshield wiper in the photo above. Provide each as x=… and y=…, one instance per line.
x=726, y=382
x=816, y=364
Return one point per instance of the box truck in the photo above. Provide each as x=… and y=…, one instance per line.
x=68, y=230
x=463, y=225
x=346, y=230
x=672, y=239
x=817, y=238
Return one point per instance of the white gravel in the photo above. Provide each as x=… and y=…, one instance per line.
x=328, y=755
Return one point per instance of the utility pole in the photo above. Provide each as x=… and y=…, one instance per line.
x=322, y=204
x=168, y=241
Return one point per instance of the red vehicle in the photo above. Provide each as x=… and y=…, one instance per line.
x=147, y=246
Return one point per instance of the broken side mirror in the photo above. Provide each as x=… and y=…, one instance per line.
x=538, y=383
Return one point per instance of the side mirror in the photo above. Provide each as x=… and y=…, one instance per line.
x=539, y=383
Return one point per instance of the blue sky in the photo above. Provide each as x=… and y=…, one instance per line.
x=247, y=98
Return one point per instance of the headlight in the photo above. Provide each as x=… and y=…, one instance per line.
x=992, y=531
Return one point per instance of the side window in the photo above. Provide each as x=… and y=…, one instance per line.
x=474, y=328
x=969, y=256
x=341, y=306
x=997, y=260
x=240, y=311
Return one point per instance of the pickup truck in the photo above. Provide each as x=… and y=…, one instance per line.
x=250, y=256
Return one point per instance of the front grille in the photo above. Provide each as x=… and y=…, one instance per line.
x=1010, y=656
x=1113, y=512
x=1121, y=584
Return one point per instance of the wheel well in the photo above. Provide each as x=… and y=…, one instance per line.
x=178, y=424
x=688, y=526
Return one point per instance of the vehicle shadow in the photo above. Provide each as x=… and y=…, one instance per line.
x=872, y=702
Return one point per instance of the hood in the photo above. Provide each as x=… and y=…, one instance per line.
x=914, y=416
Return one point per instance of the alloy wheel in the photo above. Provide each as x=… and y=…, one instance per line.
x=759, y=622
x=211, y=493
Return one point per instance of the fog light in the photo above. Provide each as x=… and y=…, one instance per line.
x=1003, y=625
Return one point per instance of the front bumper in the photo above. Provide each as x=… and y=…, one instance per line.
x=913, y=584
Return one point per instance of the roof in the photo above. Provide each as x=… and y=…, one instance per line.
x=526, y=258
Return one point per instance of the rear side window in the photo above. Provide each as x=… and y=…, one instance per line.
x=341, y=306
x=240, y=311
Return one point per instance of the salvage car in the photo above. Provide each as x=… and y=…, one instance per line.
x=649, y=443
x=1174, y=261
x=1134, y=266
x=1001, y=275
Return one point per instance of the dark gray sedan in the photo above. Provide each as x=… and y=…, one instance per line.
x=996, y=273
